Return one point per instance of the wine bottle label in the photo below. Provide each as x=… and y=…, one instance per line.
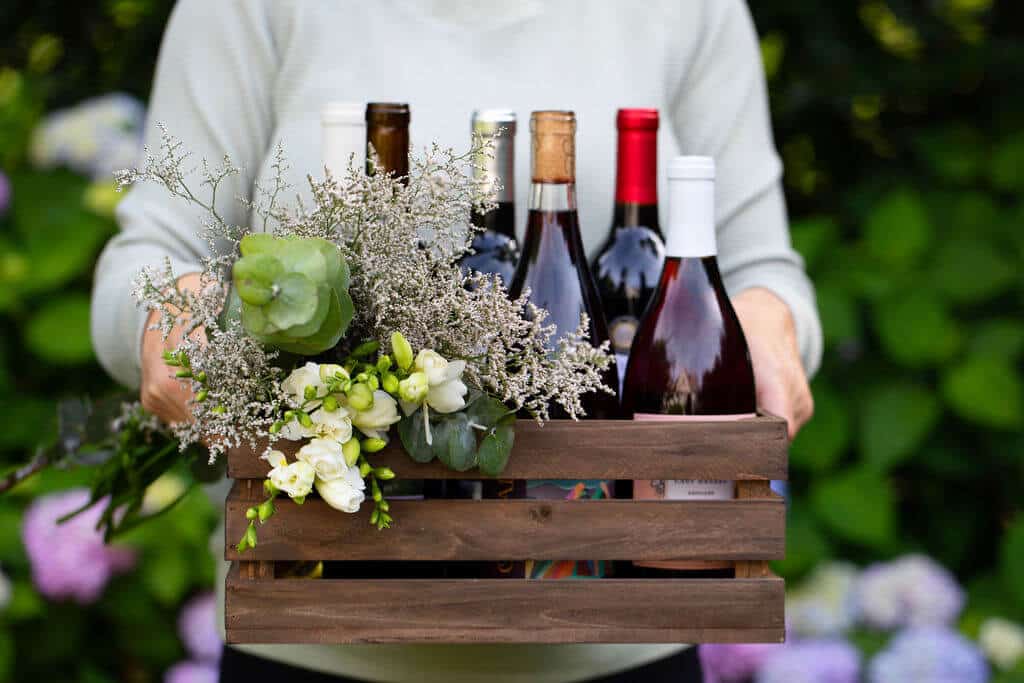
x=566, y=489
x=685, y=489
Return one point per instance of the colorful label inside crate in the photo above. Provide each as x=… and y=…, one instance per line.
x=567, y=489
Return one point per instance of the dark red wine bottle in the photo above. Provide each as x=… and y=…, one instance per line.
x=628, y=264
x=689, y=359
x=554, y=268
x=495, y=249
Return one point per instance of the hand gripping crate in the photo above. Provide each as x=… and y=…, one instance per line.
x=748, y=531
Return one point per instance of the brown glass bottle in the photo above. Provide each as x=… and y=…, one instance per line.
x=554, y=268
x=387, y=130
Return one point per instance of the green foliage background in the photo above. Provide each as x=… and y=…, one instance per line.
x=902, y=128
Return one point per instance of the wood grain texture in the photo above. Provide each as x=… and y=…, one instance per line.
x=504, y=611
x=603, y=449
x=518, y=529
x=747, y=490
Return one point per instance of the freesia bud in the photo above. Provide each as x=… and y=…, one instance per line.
x=384, y=505
x=365, y=349
x=384, y=362
x=402, y=350
x=414, y=388
x=201, y=377
x=183, y=359
x=373, y=445
x=183, y=373
x=373, y=383
x=289, y=415
x=350, y=450
x=250, y=535
x=252, y=513
x=360, y=397
x=362, y=377
x=364, y=469
x=305, y=420
x=390, y=383
x=201, y=395
x=219, y=410
x=269, y=487
x=299, y=500
x=330, y=404
x=276, y=427
x=384, y=473
x=374, y=516
x=266, y=510
x=309, y=393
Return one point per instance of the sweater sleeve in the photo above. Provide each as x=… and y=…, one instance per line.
x=721, y=109
x=212, y=90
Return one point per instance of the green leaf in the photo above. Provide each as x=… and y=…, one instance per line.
x=304, y=257
x=955, y=153
x=25, y=602
x=839, y=318
x=455, y=442
x=332, y=329
x=823, y=440
x=987, y=391
x=1007, y=162
x=296, y=301
x=858, y=505
x=495, y=450
x=813, y=237
x=167, y=576
x=916, y=329
x=806, y=545
x=971, y=271
x=1011, y=560
x=254, y=277
x=486, y=410
x=315, y=324
x=1001, y=338
x=896, y=420
x=59, y=332
x=414, y=439
x=898, y=230
x=337, y=273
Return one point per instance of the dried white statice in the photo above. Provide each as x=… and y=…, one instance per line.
x=402, y=239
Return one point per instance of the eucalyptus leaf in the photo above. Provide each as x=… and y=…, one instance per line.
x=258, y=243
x=296, y=301
x=486, y=410
x=413, y=437
x=455, y=442
x=495, y=450
x=254, y=278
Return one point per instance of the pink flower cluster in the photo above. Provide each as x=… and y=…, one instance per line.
x=197, y=627
x=70, y=560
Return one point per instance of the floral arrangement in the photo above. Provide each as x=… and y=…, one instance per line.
x=891, y=622
x=333, y=322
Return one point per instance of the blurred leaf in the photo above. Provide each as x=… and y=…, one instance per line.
x=167, y=575
x=987, y=391
x=969, y=271
x=6, y=654
x=858, y=505
x=11, y=549
x=1011, y=560
x=28, y=421
x=822, y=441
x=954, y=153
x=898, y=229
x=806, y=545
x=916, y=329
x=972, y=214
x=1001, y=338
x=1007, y=162
x=813, y=237
x=839, y=319
x=59, y=332
x=25, y=602
x=895, y=421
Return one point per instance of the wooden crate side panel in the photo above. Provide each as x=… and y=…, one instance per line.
x=603, y=449
x=751, y=529
x=504, y=611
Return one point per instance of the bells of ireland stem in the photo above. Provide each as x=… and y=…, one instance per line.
x=291, y=293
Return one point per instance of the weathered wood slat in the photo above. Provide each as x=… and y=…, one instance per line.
x=603, y=449
x=504, y=611
x=751, y=529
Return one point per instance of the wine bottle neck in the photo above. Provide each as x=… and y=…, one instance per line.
x=496, y=166
x=691, y=218
x=632, y=214
x=636, y=178
x=552, y=196
x=343, y=136
x=501, y=219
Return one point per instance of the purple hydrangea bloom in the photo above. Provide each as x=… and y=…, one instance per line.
x=929, y=654
x=70, y=560
x=733, y=663
x=197, y=627
x=812, y=661
x=910, y=591
x=5, y=193
x=192, y=672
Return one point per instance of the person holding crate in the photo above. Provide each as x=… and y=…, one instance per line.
x=236, y=76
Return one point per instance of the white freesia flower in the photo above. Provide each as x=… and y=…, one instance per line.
x=305, y=376
x=344, y=493
x=295, y=479
x=332, y=424
x=375, y=422
x=1002, y=641
x=446, y=389
x=325, y=457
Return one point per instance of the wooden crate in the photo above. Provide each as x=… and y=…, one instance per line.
x=748, y=531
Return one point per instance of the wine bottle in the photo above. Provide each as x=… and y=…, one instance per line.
x=628, y=264
x=554, y=268
x=689, y=359
x=495, y=248
x=387, y=130
x=342, y=136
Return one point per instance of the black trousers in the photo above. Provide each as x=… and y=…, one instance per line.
x=239, y=667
